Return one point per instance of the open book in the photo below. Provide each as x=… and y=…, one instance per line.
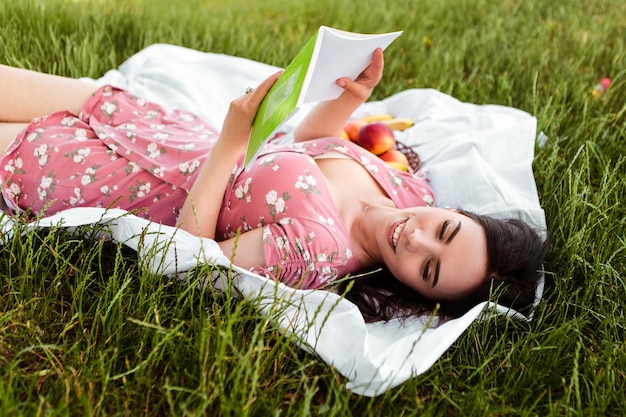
x=330, y=54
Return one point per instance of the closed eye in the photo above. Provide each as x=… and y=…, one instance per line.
x=444, y=227
x=426, y=271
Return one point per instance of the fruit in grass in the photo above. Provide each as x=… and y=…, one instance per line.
x=396, y=159
x=351, y=129
x=376, y=137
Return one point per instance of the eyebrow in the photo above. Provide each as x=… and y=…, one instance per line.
x=452, y=235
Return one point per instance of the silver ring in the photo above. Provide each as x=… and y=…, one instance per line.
x=249, y=90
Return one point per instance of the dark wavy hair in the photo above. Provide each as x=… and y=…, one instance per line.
x=515, y=256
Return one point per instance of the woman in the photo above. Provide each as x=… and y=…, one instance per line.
x=307, y=213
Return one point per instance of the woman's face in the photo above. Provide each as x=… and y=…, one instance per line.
x=440, y=253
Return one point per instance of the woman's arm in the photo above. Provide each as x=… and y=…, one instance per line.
x=329, y=117
x=202, y=207
x=26, y=94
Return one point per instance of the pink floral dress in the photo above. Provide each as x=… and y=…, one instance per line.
x=124, y=152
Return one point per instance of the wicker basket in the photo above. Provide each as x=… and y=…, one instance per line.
x=414, y=159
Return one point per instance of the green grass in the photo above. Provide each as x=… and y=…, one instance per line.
x=84, y=330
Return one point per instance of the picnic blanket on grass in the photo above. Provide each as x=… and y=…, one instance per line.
x=478, y=158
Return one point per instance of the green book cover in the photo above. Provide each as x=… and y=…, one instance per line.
x=310, y=77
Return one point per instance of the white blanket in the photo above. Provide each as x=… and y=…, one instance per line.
x=478, y=158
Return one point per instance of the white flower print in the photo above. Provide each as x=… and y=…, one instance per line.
x=143, y=190
x=13, y=190
x=275, y=203
x=327, y=274
x=307, y=183
x=328, y=221
x=428, y=199
x=267, y=235
x=342, y=149
x=299, y=147
x=15, y=166
x=153, y=150
x=132, y=168
x=187, y=146
x=90, y=175
x=80, y=134
x=368, y=164
x=105, y=190
x=271, y=197
x=280, y=205
x=185, y=117
x=139, y=190
x=396, y=180
x=243, y=191
x=45, y=185
x=187, y=168
x=77, y=198
x=68, y=121
x=80, y=155
x=158, y=171
x=41, y=154
x=161, y=136
x=282, y=243
x=266, y=160
x=46, y=182
x=108, y=108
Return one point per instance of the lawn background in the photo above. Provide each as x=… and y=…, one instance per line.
x=84, y=330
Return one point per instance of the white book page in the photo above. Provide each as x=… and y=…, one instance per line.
x=339, y=54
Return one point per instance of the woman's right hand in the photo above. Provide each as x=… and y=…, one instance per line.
x=241, y=113
x=201, y=209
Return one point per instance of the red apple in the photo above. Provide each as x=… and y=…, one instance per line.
x=376, y=137
x=351, y=129
x=396, y=159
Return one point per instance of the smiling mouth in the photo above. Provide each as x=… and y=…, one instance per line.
x=395, y=233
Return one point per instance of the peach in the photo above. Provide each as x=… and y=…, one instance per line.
x=376, y=137
x=352, y=128
x=396, y=159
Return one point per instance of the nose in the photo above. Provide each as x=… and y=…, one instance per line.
x=418, y=241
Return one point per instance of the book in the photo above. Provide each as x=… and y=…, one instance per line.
x=328, y=55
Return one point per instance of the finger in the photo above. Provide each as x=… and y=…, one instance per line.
x=257, y=94
x=378, y=60
x=352, y=86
